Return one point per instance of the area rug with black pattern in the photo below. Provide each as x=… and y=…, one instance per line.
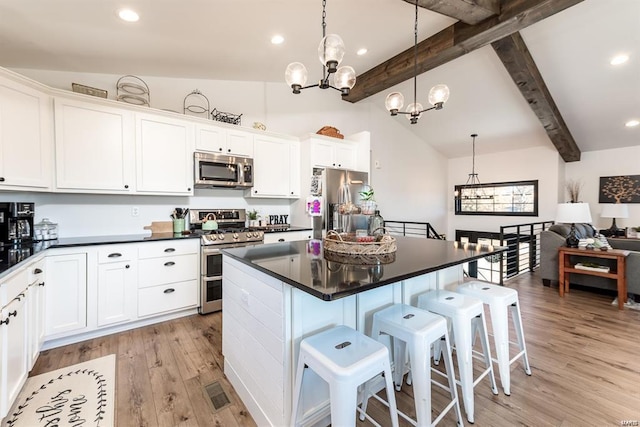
x=78, y=395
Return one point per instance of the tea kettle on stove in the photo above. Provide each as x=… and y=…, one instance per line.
x=210, y=223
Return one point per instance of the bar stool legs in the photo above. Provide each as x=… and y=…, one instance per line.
x=418, y=329
x=501, y=300
x=345, y=359
x=466, y=316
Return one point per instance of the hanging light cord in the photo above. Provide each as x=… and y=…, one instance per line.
x=325, y=80
x=415, y=58
x=473, y=155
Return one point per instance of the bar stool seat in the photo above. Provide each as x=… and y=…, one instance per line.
x=345, y=359
x=465, y=316
x=501, y=300
x=417, y=329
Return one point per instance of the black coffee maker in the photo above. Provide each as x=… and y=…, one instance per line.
x=16, y=223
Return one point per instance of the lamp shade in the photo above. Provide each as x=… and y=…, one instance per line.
x=573, y=213
x=615, y=210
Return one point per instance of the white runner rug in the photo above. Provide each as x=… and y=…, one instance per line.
x=78, y=395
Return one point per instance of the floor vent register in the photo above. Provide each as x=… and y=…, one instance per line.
x=217, y=395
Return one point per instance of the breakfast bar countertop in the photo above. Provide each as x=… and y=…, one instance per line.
x=304, y=264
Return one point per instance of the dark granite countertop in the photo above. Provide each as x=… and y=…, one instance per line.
x=11, y=256
x=328, y=277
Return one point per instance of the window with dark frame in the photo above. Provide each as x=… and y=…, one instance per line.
x=519, y=198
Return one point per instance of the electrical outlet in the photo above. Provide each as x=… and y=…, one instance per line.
x=377, y=164
x=135, y=211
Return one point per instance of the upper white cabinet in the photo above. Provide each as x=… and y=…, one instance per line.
x=276, y=173
x=164, y=155
x=26, y=137
x=94, y=147
x=333, y=154
x=217, y=139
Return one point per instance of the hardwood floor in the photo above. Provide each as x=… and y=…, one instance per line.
x=584, y=355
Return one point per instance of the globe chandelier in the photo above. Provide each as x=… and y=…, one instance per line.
x=330, y=52
x=438, y=95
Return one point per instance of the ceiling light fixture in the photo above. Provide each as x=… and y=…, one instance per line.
x=330, y=52
x=619, y=59
x=472, y=189
x=362, y=51
x=438, y=95
x=128, y=15
x=277, y=39
x=632, y=123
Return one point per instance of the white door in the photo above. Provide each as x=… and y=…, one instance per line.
x=94, y=147
x=117, y=293
x=65, y=294
x=25, y=137
x=164, y=149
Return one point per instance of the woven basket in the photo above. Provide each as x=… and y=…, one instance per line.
x=330, y=131
x=343, y=244
x=360, y=259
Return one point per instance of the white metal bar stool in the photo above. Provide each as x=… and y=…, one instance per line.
x=418, y=329
x=499, y=299
x=465, y=316
x=345, y=359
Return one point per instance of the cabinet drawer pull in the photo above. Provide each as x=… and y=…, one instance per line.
x=4, y=322
x=2, y=180
x=13, y=313
x=280, y=240
x=169, y=263
x=114, y=255
x=37, y=271
x=170, y=250
x=168, y=291
x=41, y=284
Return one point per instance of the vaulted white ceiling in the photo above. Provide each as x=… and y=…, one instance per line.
x=230, y=40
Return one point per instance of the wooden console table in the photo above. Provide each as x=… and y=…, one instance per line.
x=619, y=274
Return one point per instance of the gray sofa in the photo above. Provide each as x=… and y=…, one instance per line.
x=554, y=237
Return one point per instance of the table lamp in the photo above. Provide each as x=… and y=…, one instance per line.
x=614, y=210
x=570, y=213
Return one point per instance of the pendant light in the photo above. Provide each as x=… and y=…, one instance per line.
x=473, y=189
x=438, y=95
x=330, y=52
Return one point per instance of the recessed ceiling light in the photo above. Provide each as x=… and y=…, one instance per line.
x=362, y=51
x=619, y=59
x=632, y=123
x=128, y=15
x=277, y=39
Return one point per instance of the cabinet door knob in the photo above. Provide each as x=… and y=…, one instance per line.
x=114, y=255
x=2, y=180
x=168, y=291
x=170, y=250
x=189, y=189
x=220, y=149
x=255, y=191
x=37, y=271
x=169, y=263
x=126, y=186
x=13, y=313
x=126, y=266
x=228, y=150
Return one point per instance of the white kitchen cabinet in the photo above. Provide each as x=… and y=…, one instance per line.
x=117, y=284
x=13, y=340
x=335, y=154
x=220, y=140
x=35, y=310
x=94, y=147
x=273, y=174
x=287, y=236
x=65, y=295
x=164, y=155
x=26, y=137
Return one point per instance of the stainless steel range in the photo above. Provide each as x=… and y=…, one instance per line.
x=218, y=229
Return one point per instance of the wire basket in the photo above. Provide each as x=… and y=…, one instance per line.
x=221, y=116
x=347, y=244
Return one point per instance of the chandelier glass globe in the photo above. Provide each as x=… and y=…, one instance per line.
x=414, y=108
x=394, y=101
x=331, y=51
x=296, y=75
x=345, y=77
x=438, y=95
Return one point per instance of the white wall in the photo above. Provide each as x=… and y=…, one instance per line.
x=596, y=164
x=541, y=163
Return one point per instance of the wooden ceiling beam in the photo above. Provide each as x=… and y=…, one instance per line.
x=514, y=54
x=468, y=11
x=453, y=42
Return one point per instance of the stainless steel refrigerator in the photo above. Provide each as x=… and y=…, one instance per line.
x=340, y=190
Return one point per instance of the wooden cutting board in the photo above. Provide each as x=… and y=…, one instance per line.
x=160, y=227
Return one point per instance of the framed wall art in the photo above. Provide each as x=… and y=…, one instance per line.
x=619, y=189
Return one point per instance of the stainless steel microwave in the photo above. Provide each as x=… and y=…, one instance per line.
x=220, y=170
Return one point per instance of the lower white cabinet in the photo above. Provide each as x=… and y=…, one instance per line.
x=35, y=310
x=66, y=294
x=117, y=275
x=169, y=297
x=287, y=236
x=13, y=341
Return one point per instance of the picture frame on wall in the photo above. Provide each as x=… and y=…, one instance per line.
x=619, y=189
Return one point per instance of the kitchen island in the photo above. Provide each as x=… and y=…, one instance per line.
x=275, y=295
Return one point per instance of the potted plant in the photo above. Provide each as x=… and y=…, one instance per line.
x=367, y=201
x=253, y=218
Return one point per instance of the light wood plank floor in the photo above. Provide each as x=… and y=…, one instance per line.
x=584, y=354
